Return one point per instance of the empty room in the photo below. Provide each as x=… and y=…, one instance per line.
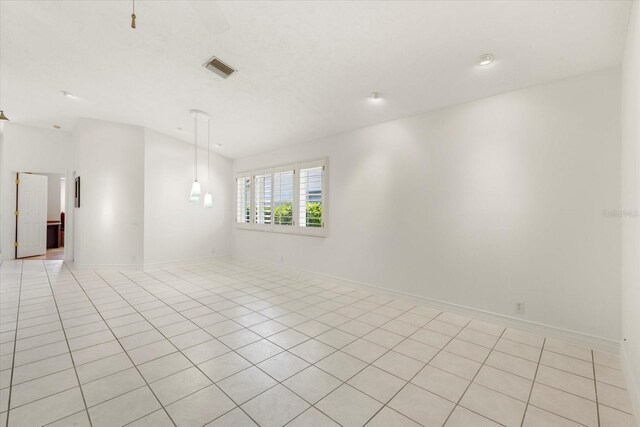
x=320, y=213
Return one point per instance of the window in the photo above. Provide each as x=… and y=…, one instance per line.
x=311, y=194
x=243, y=195
x=288, y=199
x=263, y=198
x=283, y=196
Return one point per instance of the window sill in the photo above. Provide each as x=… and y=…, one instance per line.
x=322, y=231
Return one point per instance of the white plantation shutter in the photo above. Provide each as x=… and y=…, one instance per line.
x=311, y=197
x=288, y=199
x=243, y=199
x=263, y=198
x=283, y=197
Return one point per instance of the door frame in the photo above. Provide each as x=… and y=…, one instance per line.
x=15, y=214
x=68, y=218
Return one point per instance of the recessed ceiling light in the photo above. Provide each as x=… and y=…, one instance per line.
x=376, y=96
x=68, y=94
x=57, y=127
x=219, y=145
x=179, y=129
x=485, y=59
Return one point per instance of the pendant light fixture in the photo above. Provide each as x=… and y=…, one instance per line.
x=196, y=189
x=208, y=198
x=194, y=195
x=133, y=15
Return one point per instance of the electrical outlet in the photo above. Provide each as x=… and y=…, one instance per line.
x=519, y=306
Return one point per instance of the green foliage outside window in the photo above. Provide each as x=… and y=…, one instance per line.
x=284, y=214
x=314, y=214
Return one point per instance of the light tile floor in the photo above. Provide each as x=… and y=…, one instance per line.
x=229, y=343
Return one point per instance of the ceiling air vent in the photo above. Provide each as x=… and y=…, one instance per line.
x=219, y=67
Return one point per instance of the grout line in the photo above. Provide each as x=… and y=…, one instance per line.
x=15, y=343
x=533, y=383
x=70, y=415
x=595, y=386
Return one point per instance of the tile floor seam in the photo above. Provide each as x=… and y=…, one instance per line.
x=533, y=383
x=44, y=397
x=67, y=416
x=595, y=386
x=557, y=415
x=15, y=344
x=120, y=395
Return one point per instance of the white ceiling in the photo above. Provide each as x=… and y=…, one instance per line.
x=305, y=68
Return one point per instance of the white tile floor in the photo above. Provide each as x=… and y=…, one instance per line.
x=228, y=343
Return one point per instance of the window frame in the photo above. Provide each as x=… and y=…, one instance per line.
x=279, y=228
x=296, y=227
x=244, y=175
x=312, y=231
x=254, y=175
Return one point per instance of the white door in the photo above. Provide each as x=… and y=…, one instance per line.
x=31, y=221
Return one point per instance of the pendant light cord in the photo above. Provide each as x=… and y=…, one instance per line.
x=208, y=148
x=195, y=143
x=133, y=15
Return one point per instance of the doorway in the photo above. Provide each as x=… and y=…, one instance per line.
x=40, y=216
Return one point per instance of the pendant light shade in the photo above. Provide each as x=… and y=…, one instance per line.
x=208, y=200
x=196, y=191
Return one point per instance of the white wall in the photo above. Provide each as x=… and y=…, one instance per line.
x=630, y=201
x=109, y=158
x=480, y=204
x=27, y=149
x=174, y=228
x=134, y=195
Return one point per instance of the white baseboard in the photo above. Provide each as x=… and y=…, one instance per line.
x=633, y=383
x=72, y=265
x=578, y=338
x=140, y=267
x=575, y=337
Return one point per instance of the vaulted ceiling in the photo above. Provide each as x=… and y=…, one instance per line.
x=305, y=69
